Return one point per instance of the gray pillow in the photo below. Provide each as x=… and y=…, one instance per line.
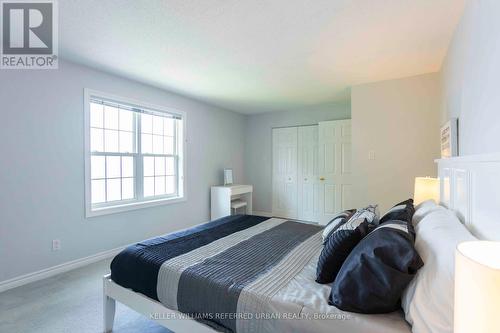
x=336, y=221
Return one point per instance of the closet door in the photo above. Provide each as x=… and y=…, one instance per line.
x=308, y=183
x=334, y=168
x=285, y=172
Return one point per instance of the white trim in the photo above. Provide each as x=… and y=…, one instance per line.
x=182, y=189
x=133, y=206
x=262, y=213
x=58, y=269
x=493, y=157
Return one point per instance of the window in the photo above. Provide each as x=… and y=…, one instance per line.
x=133, y=154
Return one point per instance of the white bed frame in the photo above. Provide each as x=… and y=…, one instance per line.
x=146, y=306
x=469, y=186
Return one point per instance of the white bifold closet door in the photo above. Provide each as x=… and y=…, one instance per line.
x=309, y=186
x=312, y=171
x=334, y=168
x=285, y=172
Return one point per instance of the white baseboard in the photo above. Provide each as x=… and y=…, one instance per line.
x=261, y=213
x=70, y=265
x=51, y=271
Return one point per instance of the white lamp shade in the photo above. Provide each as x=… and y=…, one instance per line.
x=477, y=287
x=426, y=188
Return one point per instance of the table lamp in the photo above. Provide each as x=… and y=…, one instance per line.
x=426, y=188
x=477, y=287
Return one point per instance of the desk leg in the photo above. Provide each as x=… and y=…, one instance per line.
x=248, y=199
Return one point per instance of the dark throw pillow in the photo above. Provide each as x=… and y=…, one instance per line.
x=341, y=241
x=377, y=271
x=402, y=211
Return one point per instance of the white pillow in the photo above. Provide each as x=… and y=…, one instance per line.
x=428, y=299
x=423, y=209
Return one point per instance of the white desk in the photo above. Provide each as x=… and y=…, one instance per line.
x=221, y=196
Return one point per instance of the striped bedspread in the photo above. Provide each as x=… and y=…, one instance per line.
x=221, y=271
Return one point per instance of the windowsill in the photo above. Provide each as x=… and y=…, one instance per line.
x=132, y=206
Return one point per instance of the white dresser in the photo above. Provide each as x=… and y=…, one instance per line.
x=223, y=197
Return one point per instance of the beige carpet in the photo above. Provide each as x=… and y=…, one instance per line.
x=67, y=303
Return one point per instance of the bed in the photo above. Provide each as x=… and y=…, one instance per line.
x=236, y=274
x=172, y=292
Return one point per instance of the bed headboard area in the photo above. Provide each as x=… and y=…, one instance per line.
x=470, y=186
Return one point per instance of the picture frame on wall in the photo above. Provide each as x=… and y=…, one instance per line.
x=228, y=176
x=449, y=138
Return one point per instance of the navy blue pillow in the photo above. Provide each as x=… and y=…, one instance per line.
x=341, y=241
x=377, y=271
x=402, y=211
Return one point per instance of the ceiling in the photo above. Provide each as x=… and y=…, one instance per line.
x=255, y=56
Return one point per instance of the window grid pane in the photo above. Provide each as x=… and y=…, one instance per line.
x=147, y=144
x=159, y=176
x=170, y=166
x=127, y=166
x=111, y=117
x=98, y=191
x=149, y=186
x=168, y=126
x=147, y=123
x=158, y=125
x=169, y=148
x=112, y=129
x=159, y=171
x=158, y=144
x=128, y=188
x=96, y=115
x=113, y=166
x=97, y=167
x=170, y=185
x=158, y=135
x=159, y=185
x=159, y=166
x=111, y=141
x=96, y=139
x=113, y=178
x=113, y=189
x=126, y=120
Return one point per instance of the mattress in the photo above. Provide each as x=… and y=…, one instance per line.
x=243, y=274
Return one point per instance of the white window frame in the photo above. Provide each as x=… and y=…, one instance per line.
x=97, y=210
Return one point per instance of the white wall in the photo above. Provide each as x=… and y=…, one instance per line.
x=399, y=121
x=42, y=175
x=471, y=78
x=258, y=144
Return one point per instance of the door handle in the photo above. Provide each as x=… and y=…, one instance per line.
x=321, y=178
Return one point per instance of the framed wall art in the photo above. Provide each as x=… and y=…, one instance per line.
x=449, y=138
